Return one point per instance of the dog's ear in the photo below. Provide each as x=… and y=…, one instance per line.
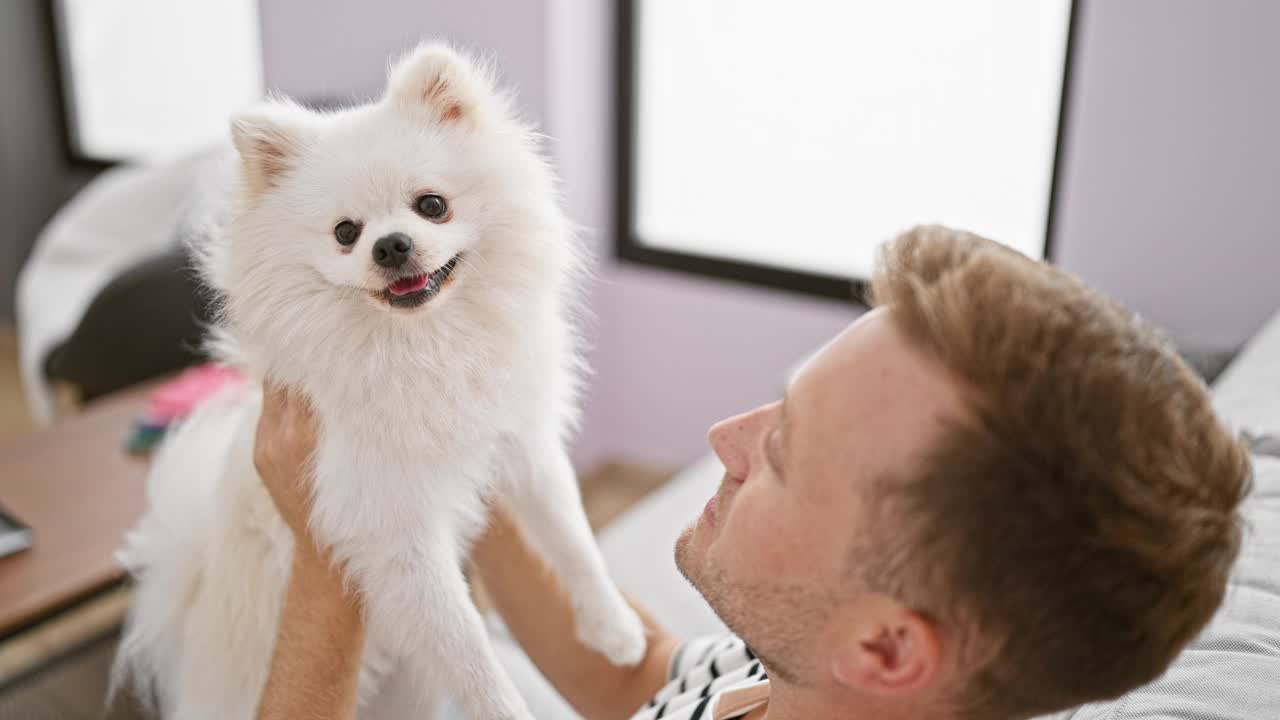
x=270, y=139
x=436, y=80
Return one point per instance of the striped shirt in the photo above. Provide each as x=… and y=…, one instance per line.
x=710, y=678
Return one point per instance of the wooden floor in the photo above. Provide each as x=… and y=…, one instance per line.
x=73, y=688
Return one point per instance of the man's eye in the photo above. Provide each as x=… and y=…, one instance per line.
x=771, y=446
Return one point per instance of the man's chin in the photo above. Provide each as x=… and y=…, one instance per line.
x=747, y=610
x=687, y=554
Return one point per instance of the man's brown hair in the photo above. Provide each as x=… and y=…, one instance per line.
x=1084, y=521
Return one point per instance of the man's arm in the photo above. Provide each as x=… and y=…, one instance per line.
x=316, y=662
x=540, y=616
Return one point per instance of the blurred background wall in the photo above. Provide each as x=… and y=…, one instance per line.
x=1170, y=194
x=1170, y=201
x=340, y=49
x=34, y=175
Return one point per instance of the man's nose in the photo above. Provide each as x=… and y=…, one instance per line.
x=731, y=439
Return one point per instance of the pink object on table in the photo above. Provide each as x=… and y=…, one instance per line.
x=176, y=399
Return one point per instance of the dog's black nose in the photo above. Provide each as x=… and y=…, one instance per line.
x=391, y=251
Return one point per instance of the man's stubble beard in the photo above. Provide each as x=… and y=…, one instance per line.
x=778, y=622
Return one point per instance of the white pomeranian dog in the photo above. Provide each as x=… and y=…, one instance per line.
x=407, y=265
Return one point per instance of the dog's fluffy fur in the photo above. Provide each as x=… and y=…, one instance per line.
x=425, y=413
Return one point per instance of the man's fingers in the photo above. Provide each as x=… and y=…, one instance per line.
x=274, y=397
x=286, y=413
x=298, y=406
x=281, y=402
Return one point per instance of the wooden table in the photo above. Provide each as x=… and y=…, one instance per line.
x=80, y=492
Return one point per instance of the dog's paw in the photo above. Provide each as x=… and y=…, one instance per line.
x=614, y=630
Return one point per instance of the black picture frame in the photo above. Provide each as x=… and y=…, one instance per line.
x=630, y=248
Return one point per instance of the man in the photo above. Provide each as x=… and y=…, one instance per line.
x=994, y=496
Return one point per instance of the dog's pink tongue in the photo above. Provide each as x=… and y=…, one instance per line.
x=404, y=286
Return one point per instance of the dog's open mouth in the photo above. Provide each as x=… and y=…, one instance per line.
x=417, y=290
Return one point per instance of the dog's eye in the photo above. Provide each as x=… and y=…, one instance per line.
x=346, y=232
x=432, y=207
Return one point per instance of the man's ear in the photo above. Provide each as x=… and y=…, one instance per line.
x=435, y=81
x=886, y=649
x=270, y=139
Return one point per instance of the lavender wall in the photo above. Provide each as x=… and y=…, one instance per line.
x=1170, y=199
x=340, y=49
x=1172, y=193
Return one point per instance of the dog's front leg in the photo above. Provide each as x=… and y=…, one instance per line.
x=417, y=602
x=547, y=501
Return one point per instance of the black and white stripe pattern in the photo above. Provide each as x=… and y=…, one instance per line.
x=700, y=671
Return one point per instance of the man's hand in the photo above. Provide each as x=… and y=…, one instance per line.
x=316, y=663
x=282, y=453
